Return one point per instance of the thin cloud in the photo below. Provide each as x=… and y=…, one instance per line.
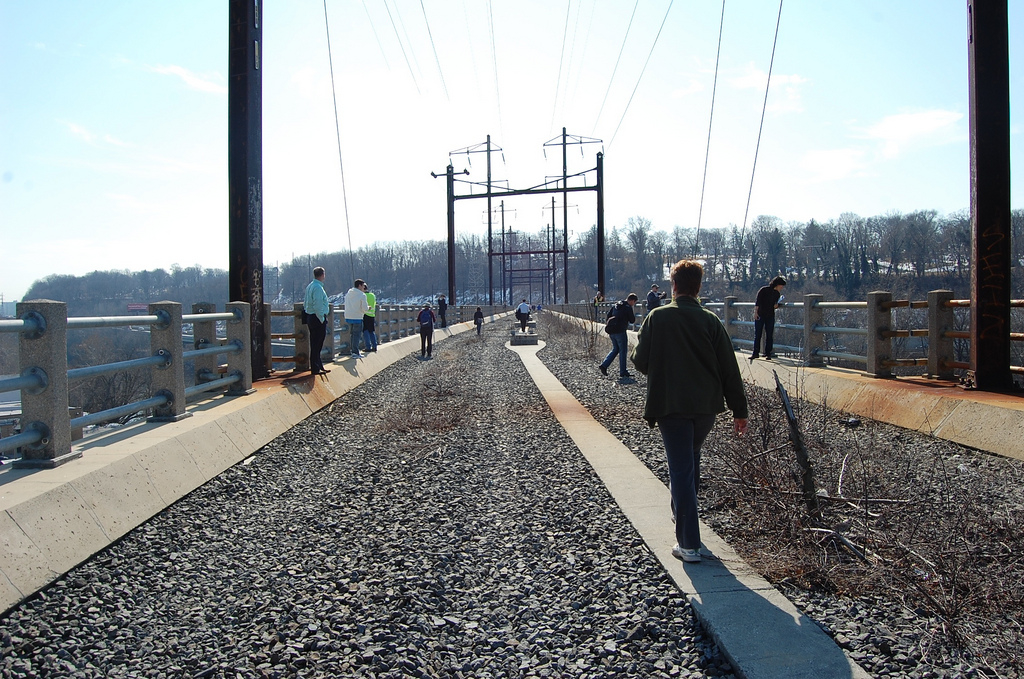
x=899, y=131
x=80, y=132
x=192, y=80
x=786, y=90
x=692, y=87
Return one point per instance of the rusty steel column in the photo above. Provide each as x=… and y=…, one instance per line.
x=989, y=85
x=245, y=170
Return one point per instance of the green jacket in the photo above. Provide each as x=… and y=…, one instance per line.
x=690, y=363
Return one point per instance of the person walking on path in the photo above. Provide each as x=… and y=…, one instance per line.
x=596, y=303
x=523, y=314
x=369, y=321
x=619, y=318
x=654, y=297
x=317, y=307
x=426, y=319
x=442, y=310
x=691, y=367
x=355, y=308
x=765, y=304
x=478, y=319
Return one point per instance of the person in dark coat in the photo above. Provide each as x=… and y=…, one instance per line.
x=442, y=310
x=692, y=376
x=426, y=320
x=619, y=318
x=654, y=297
x=765, y=304
x=478, y=319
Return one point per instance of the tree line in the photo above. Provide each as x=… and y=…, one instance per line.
x=843, y=258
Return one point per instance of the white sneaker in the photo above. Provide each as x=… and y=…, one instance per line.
x=687, y=555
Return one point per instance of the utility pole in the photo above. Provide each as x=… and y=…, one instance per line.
x=989, y=87
x=245, y=169
x=450, y=184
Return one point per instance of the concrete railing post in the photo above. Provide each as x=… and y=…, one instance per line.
x=45, y=353
x=729, y=314
x=941, y=319
x=813, y=341
x=204, y=335
x=301, y=333
x=168, y=379
x=879, y=348
x=329, y=342
x=240, y=362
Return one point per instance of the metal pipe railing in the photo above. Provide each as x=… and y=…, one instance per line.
x=120, y=411
x=212, y=385
x=159, y=360
x=84, y=322
x=25, y=438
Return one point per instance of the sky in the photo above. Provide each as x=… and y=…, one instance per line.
x=113, y=119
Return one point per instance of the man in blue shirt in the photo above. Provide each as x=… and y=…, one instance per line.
x=317, y=306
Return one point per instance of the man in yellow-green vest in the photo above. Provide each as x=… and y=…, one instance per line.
x=369, y=321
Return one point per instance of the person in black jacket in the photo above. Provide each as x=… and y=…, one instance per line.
x=654, y=297
x=619, y=318
x=767, y=301
x=442, y=310
x=478, y=319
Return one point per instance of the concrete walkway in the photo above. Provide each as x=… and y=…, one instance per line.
x=759, y=630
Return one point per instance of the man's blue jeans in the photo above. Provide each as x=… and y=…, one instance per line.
x=355, y=329
x=620, y=346
x=683, y=437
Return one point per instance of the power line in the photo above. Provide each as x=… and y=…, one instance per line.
x=612, y=141
x=337, y=128
x=561, y=58
x=711, y=118
x=374, y=29
x=494, y=57
x=572, y=54
x=438, y=60
x=586, y=43
x=619, y=58
x=402, y=46
x=764, y=107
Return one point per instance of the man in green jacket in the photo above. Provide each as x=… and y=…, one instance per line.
x=692, y=374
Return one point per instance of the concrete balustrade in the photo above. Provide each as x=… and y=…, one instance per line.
x=878, y=330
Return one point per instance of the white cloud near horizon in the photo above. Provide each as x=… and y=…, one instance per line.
x=195, y=81
x=900, y=130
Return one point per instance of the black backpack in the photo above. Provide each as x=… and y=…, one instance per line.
x=616, y=323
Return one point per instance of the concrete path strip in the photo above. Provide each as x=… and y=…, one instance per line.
x=760, y=631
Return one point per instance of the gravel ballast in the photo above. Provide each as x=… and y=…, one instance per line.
x=434, y=522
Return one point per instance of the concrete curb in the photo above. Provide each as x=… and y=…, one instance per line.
x=759, y=630
x=51, y=520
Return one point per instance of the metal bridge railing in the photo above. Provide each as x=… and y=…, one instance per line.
x=392, y=322
x=43, y=326
x=814, y=341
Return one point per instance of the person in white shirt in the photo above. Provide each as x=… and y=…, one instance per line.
x=523, y=314
x=355, y=307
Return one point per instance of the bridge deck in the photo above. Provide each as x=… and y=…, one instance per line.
x=55, y=519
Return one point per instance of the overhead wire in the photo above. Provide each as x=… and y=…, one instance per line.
x=374, y=29
x=433, y=47
x=617, y=60
x=764, y=107
x=402, y=46
x=337, y=128
x=408, y=40
x=572, y=54
x=711, y=119
x=586, y=43
x=641, y=74
x=494, y=57
x=561, y=59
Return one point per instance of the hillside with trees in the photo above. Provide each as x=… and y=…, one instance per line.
x=843, y=259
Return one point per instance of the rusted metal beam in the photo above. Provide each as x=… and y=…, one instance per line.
x=245, y=169
x=989, y=85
